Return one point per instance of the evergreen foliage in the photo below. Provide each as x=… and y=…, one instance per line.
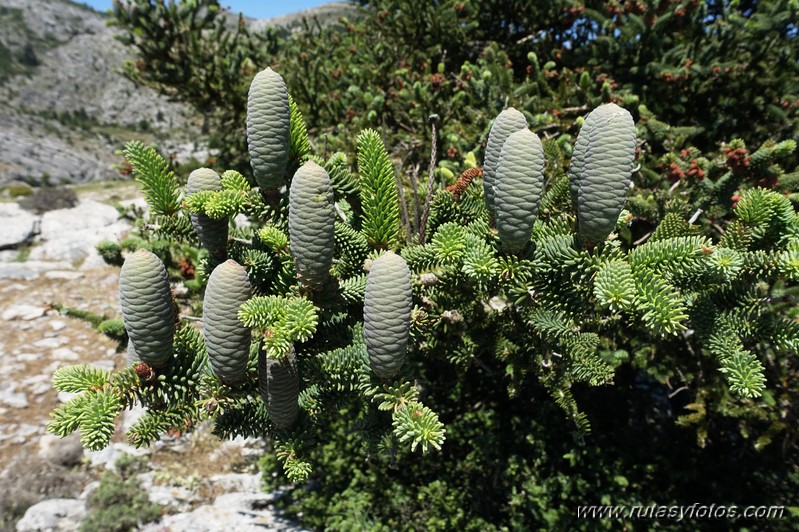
x=651, y=361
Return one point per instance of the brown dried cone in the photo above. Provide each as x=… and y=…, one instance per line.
x=212, y=233
x=226, y=337
x=387, y=313
x=147, y=308
x=459, y=187
x=279, y=384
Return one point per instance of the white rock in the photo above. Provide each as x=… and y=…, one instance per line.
x=62, y=274
x=65, y=397
x=53, y=514
x=237, y=482
x=49, y=343
x=174, y=497
x=18, y=225
x=90, y=488
x=103, y=364
x=108, y=456
x=66, y=451
x=29, y=270
x=22, y=311
x=14, y=399
x=71, y=234
x=64, y=353
x=58, y=325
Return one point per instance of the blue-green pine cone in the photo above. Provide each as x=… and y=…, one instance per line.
x=312, y=228
x=279, y=384
x=607, y=172
x=577, y=163
x=518, y=189
x=387, y=313
x=212, y=233
x=226, y=338
x=147, y=309
x=508, y=121
x=268, y=119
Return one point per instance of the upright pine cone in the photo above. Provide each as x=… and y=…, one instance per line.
x=509, y=121
x=268, y=128
x=518, y=189
x=147, y=309
x=227, y=339
x=312, y=223
x=604, y=178
x=279, y=384
x=212, y=233
x=387, y=313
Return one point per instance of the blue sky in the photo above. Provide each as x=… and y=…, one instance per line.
x=251, y=8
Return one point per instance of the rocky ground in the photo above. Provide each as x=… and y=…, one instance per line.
x=200, y=482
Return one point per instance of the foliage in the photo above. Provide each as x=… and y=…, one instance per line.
x=119, y=504
x=656, y=365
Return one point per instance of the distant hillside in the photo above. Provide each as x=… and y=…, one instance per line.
x=326, y=14
x=64, y=106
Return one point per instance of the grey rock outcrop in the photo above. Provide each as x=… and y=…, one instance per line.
x=18, y=226
x=52, y=515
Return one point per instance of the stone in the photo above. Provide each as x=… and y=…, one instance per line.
x=108, y=365
x=62, y=274
x=29, y=270
x=237, y=482
x=22, y=311
x=64, y=353
x=66, y=451
x=19, y=226
x=53, y=514
x=107, y=457
x=90, y=488
x=58, y=325
x=173, y=497
x=12, y=398
x=218, y=517
x=72, y=234
x=49, y=343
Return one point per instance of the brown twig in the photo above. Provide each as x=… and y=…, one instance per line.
x=431, y=177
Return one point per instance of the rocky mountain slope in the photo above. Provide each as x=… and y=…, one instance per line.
x=63, y=105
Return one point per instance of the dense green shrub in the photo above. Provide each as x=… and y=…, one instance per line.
x=654, y=366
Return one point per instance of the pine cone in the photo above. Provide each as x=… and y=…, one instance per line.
x=227, y=339
x=279, y=384
x=387, y=313
x=268, y=131
x=212, y=233
x=518, y=190
x=147, y=310
x=312, y=223
x=508, y=121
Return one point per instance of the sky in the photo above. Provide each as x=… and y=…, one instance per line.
x=252, y=8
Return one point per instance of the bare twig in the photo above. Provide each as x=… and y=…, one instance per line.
x=431, y=177
x=642, y=239
x=678, y=390
x=673, y=187
x=415, y=189
x=404, y=220
x=695, y=216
